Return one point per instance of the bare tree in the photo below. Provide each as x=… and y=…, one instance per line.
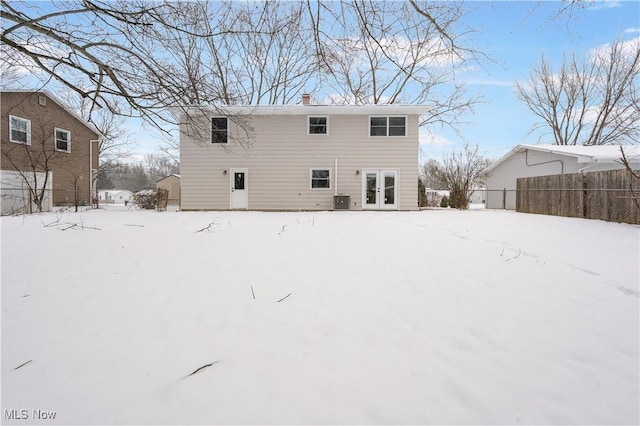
x=635, y=176
x=272, y=56
x=9, y=77
x=237, y=53
x=259, y=53
x=395, y=52
x=141, y=58
x=170, y=148
x=158, y=166
x=114, y=145
x=589, y=102
x=106, y=52
x=627, y=164
x=460, y=171
x=430, y=172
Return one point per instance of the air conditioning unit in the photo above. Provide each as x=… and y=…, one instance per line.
x=341, y=202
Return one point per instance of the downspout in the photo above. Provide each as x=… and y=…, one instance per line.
x=335, y=180
x=526, y=161
x=93, y=192
x=589, y=166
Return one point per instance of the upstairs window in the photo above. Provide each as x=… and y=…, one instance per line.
x=320, y=178
x=318, y=125
x=219, y=130
x=62, y=140
x=387, y=126
x=19, y=130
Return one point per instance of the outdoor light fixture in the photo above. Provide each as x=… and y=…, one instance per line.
x=224, y=172
x=357, y=172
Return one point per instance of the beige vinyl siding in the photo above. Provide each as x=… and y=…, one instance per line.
x=282, y=155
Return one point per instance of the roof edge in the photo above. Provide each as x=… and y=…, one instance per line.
x=309, y=109
x=74, y=114
x=549, y=148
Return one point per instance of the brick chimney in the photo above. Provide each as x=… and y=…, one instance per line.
x=306, y=99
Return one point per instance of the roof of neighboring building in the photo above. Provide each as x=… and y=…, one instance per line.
x=48, y=94
x=115, y=191
x=172, y=174
x=584, y=153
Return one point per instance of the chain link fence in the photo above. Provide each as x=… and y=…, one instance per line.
x=16, y=201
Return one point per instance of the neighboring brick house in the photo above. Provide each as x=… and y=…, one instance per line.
x=40, y=135
x=301, y=157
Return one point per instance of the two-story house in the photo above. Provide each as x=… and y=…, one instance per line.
x=45, y=143
x=300, y=157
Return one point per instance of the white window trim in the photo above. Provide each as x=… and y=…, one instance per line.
x=55, y=139
x=309, y=125
x=311, y=178
x=28, y=130
x=406, y=125
x=211, y=130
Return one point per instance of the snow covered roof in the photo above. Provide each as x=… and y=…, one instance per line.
x=318, y=109
x=584, y=153
x=172, y=174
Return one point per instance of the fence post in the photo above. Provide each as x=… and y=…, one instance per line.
x=584, y=196
x=504, y=198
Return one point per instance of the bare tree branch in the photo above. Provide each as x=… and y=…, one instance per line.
x=589, y=102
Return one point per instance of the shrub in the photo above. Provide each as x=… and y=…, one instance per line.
x=459, y=198
x=146, y=198
x=422, y=196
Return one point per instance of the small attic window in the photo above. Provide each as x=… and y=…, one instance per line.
x=42, y=100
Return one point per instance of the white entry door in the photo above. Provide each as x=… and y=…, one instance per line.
x=239, y=188
x=380, y=189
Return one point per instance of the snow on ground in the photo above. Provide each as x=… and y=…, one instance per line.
x=432, y=317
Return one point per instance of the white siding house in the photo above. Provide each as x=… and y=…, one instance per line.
x=544, y=160
x=114, y=196
x=299, y=157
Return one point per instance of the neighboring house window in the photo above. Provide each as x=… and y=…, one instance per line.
x=63, y=140
x=318, y=125
x=219, y=130
x=320, y=178
x=19, y=130
x=387, y=126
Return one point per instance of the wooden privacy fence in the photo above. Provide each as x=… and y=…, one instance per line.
x=612, y=195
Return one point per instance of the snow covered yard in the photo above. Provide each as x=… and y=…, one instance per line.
x=476, y=317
